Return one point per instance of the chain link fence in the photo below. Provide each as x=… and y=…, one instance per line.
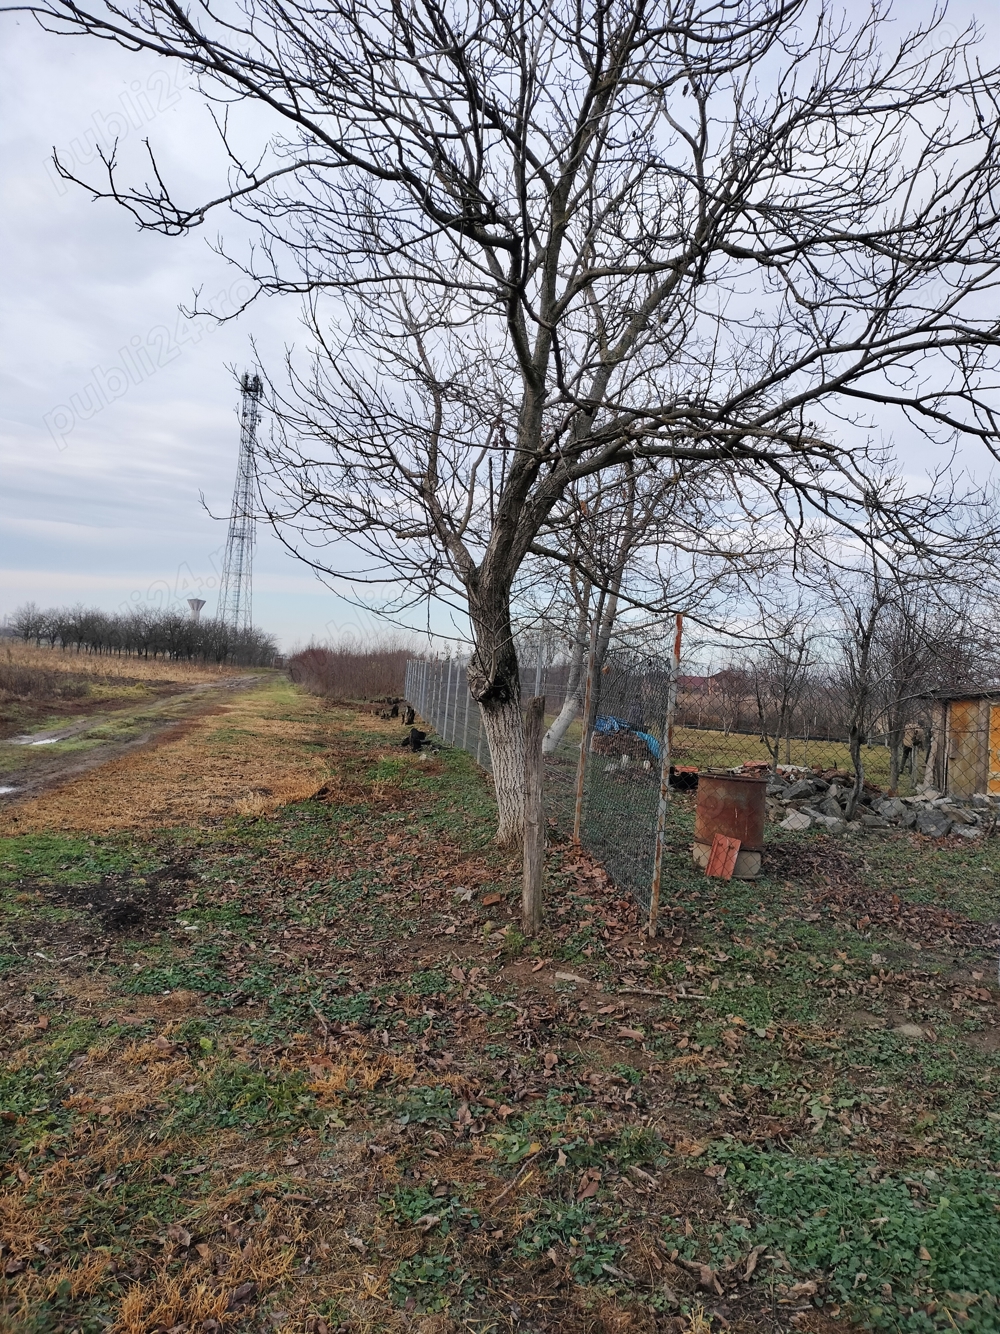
x=611, y=800
x=622, y=760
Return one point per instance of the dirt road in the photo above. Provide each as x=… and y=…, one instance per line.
x=37, y=761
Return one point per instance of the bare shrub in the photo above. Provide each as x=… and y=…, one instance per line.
x=375, y=671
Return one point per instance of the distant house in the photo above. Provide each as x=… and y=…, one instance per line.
x=692, y=682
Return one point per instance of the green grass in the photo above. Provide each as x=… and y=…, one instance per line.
x=63, y=860
x=913, y=1250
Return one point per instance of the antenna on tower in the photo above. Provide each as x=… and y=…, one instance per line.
x=236, y=587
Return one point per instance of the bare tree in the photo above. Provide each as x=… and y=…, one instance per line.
x=779, y=675
x=565, y=238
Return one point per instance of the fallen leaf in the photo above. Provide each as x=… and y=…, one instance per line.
x=752, y=1259
x=163, y=1044
x=43, y=1022
x=244, y=1293
x=551, y=1060
x=635, y=1033
x=204, y=1251
x=490, y=899
x=807, y=1289
x=924, y=1253
x=589, y=1183
x=23, y=1177
x=570, y=977
x=179, y=1234
x=14, y=1266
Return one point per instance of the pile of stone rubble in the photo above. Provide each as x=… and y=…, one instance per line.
x=801, y=799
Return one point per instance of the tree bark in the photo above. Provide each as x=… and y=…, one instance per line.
x=855, y=742
x=495, y=683
x=573, y=702
x=895, y=760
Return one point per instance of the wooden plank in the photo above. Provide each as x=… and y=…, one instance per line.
x=965, y=739
x=993, y=780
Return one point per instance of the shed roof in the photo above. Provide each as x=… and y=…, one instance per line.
x=947, y=696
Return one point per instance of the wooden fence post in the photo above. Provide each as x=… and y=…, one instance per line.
x=534, y=818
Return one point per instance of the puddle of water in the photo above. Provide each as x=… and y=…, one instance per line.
x=5, y=791
x=46, y=741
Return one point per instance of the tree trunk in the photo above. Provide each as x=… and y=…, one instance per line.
x=495, y=684
x=855, y=742
x=895, y=739
x=573, y=702
x=571, y=707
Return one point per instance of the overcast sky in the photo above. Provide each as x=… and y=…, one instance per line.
x=103, y=506
x=114, y=414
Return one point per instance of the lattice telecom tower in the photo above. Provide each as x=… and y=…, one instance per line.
x=236, y=587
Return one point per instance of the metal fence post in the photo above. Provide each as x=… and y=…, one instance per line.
x=661, y=810
x=534, y=819
x=465, y=720
x=539, y=663
x=581, y=768
x=443, y=729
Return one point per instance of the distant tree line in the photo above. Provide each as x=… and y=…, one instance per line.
x=144, y=632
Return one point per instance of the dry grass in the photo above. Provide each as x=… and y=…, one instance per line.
x=109, y=667
x=247, y=756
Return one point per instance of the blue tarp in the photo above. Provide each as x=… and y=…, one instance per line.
x=607, y=726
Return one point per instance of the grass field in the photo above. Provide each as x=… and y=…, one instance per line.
x=710, y=750
x=107, y=667
x=291, y=1066
x=706, y=749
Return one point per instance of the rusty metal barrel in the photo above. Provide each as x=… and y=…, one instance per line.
x=731, y=804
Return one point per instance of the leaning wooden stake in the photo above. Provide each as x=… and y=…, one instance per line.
x=534, y=818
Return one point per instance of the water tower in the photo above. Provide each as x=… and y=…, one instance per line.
x=196, y=605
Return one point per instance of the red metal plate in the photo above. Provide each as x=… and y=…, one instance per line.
x=722, y=858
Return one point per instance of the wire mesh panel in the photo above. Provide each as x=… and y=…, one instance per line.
x=625, y=747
